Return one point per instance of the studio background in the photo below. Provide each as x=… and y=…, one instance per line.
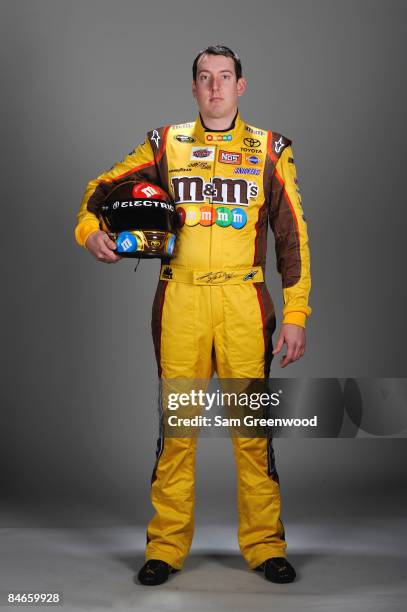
x=82, y=83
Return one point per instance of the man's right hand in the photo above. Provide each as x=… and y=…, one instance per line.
x=102, y=247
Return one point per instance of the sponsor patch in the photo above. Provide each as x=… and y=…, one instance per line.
x=207, y=216
x=247, y=150
x=252, y=143
x=219, y=190
x=228, y=157
x=167, y=272
x=206, y=153
x=218, y=137
x=250, y=275
x=180, y=126
x=199, y=164
x=253, y=131
x=253, y=159
x=255, y=171
x=184, y=138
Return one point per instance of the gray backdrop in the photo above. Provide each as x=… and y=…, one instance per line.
x=81, y=84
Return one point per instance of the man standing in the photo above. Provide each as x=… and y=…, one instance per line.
x=212, y=310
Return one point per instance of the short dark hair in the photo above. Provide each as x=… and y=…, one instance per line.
x=219, y=50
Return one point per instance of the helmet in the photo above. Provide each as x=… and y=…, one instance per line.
x=141, y=219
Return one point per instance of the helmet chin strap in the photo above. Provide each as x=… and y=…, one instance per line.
x=135, y=269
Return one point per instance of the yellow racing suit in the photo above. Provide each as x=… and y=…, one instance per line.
x=212, y=310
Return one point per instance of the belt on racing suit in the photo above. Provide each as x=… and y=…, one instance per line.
x=228, y=276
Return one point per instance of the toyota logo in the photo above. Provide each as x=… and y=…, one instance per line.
x=252, y=142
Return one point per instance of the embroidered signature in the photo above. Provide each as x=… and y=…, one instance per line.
x=215, y=277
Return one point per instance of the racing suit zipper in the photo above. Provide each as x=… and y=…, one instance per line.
x=212, y=206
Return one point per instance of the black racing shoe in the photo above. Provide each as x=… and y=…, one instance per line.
x=277, y=569
x=155, y=572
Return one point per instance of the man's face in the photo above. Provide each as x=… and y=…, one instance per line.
x=216, y=89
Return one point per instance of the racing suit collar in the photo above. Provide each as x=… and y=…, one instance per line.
x=228, y=129
x=235, y=129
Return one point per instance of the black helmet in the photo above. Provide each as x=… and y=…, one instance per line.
x=141, y=218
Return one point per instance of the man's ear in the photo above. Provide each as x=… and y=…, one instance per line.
x=194, y=89
x=241, y=86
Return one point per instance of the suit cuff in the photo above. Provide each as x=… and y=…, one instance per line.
x=84, y=230
x=295, y=318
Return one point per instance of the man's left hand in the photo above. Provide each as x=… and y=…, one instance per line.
x=294, y=337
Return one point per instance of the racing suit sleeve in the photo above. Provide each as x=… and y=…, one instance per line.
x=291, y=239
x=139, y=164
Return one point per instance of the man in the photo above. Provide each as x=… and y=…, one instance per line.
x=212, y=310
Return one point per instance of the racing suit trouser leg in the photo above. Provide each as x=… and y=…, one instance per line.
x=183, y=341
x=243, y=347
x=236, y=321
